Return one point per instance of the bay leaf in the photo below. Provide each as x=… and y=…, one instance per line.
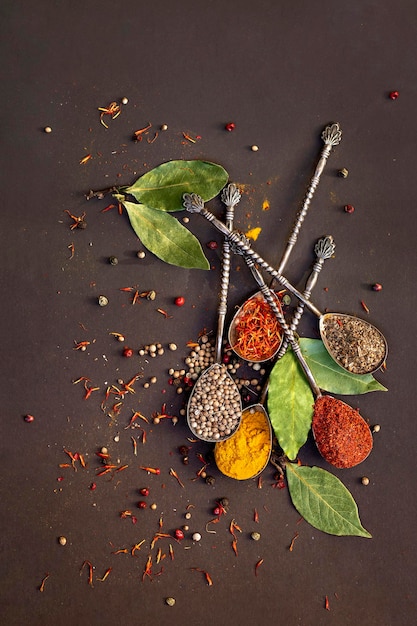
x=330, y=376
x=163, y=235
x=162, y=188
x=323, y=501
x=290, y=404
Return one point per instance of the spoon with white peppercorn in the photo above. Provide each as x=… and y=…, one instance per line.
x=215, y=409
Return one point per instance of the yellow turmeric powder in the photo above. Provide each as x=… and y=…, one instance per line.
x=247, y=451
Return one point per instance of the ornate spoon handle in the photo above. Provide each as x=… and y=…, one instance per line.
x=230, y=197
x=331, y=137
x=266, y=292
x=195, y=204
x=323, y=249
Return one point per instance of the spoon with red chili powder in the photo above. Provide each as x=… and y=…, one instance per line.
x=342, y=436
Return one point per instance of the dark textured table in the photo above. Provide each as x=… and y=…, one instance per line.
x=281, y=71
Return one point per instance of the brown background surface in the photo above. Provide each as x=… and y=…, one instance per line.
x=281, y=71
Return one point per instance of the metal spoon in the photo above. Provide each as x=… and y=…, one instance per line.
x=335, y=328
x=342, y=436
x=215, y=408
x=331, y=137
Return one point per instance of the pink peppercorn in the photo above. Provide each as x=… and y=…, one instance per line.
x=377, y=287
x=127, y=352
x=394, y=95
x=212, y=245
x=230, y=126
x=142, y=504
x=179, y=534
x=349, y=208
x=29, y=418
x=180, y=301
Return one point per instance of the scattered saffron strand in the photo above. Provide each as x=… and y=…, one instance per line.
x=113, y=109
x=258, y=565
x=175, y=475
x=206, y=575
x=86, y=159
x=291, y=546
x=90, y=572
x=106, y=574
x=42, y=585
x=365, y=308
x=326, y=603
x=71, y=247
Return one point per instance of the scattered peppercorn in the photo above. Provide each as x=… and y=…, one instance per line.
x=255, y=536
x=29, y=418
x=62, y=541
x=254, y=148
x=127, y=352
x=180, y=301
x=153, y=506
x=103, y=301
x=113, y=260
x=230, y=126
x=164, y=127
x=349, y=208
x=47, y=129
x=196, y=537
x=212, y=245
x=179, y=534
x=376, y=428
x=394, y=95
x=365, y=480
x=377, y=287
x=141, y=254
x=142, y=504
x=183, y=450
x=343, y=173
x=144, y=491
x=187, y=515
x=210, y=480
x=170, y=601
x=224, y=502
x=125, y=100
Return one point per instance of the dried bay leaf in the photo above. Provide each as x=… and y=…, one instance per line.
x=323, y=501
x=290, y=404
x=330, y=376
x=163, y=235
x=162, y=188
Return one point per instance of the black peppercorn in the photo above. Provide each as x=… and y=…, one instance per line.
x=82, y=224
x=113, y=260
x=210, y=480
x=183, y=450
x=224, y=502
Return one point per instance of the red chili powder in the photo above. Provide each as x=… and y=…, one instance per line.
x=342, y=436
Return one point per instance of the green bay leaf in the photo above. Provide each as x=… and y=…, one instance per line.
x=163, y=235
x=330, y=376
x=323, y=501
x=290, y=404
x=162, y=188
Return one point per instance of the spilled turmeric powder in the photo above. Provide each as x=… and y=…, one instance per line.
x=245, y=454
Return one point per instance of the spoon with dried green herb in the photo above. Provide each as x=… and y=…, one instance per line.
x=355, y=344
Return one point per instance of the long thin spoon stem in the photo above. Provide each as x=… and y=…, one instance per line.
x=331, y=137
